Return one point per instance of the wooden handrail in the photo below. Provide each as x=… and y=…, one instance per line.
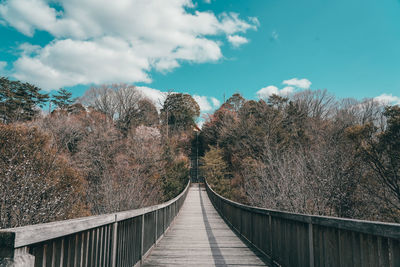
x=292, y=239
x=90, y=234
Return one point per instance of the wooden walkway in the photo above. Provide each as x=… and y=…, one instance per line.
x=199, y=237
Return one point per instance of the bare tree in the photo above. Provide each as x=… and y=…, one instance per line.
x=295, y=154
x=101, y=98
x=316, y=104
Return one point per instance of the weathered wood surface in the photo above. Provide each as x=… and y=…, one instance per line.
x=199, y=237
x=288, y=239
x=118, y=239
x=31, y=234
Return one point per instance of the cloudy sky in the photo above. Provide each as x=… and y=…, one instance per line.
x=208, y=48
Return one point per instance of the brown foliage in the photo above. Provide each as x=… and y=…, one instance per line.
x=303, y=154
x=81, y=160
x=37, y=184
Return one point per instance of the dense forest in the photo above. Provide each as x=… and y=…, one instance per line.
x=306, y=153
x=112, y=149
x=109, y=150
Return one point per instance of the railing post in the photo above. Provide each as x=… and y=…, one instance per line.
x=114, y=243
x=310, y=244
x=11, y=256
x=18, y=257
x=237, y=214
x=164, y=220
x=155, y=234
x=270, y=236
x=142, y=241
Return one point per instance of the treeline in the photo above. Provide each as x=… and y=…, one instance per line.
x=307, y=153
x=108, y=151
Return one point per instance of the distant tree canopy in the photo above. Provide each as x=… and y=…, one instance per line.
x=63, y=99
x=106, y=152
x=307, y=153
x=235, y=102
x=381, y=151
x=19, y=101
x=180, y=111
x=113, y=151
x=214, y=167
x=36, y=184
x=124, y=103
x=142, y=113
x=146, y=114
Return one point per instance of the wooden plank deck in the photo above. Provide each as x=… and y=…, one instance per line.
x=199, y=237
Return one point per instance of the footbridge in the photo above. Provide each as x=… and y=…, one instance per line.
x=201, y=228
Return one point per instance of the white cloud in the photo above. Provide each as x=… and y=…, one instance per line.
x=203, y=103
x=388, y=99
x=118, y=41
x=255, y=21
x=29, y=49
x=25, y=15
x=230, y=23
x=156, y=96
x=293, y=85
x=207, y=1
x=237, y=40
x=70, y=62
x=300, y=83
x=207, y=103
x=267, y=91
x=216, y=103
x=286, y=90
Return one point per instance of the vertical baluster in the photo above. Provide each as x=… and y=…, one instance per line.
x=62, y=252
x=82, y=244
x=86, y=261
x=77, y=250
x=114, y=243
x=53, y=256
x=142, y=240
x=156, y=226
x=44, y=255
x=311, y=244
x=96, y=247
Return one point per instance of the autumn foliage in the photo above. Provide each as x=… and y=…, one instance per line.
x=37, y=183
x=307, y=153
x=105, y=153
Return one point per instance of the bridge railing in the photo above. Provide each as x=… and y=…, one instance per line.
x=118, y=239
x=290, y=239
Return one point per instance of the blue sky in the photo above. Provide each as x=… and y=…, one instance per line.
x=206, y=48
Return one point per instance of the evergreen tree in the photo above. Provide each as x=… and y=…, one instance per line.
x=19, y=101
x=180, y=111
x=63, y=99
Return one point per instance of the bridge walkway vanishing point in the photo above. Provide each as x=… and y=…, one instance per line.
x=156, y=236
x=200, y=237
x=188, y=231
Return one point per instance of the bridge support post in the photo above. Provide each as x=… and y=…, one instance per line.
x=18, y=257
x=270, y=237
x=142, y=242
x=310, y=244
x=155, y=234
x=114, y=243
